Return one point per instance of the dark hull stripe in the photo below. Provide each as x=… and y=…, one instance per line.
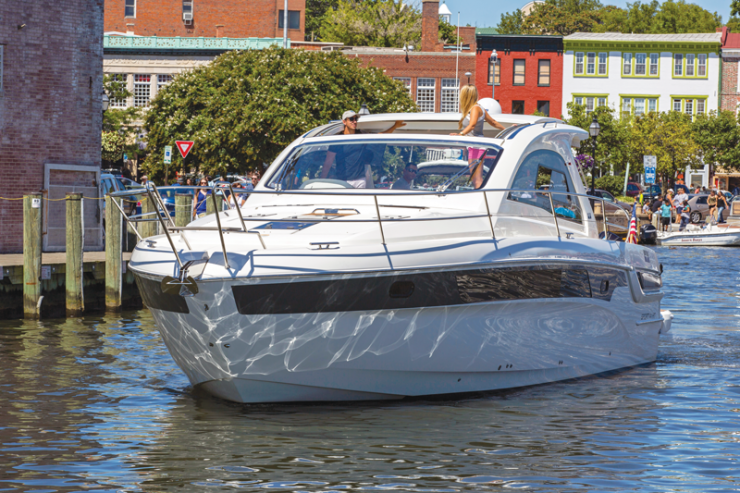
x=427, y=290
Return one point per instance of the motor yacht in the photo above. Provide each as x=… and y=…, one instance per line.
x=382, y=266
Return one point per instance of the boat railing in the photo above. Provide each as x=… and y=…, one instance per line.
x=168, y=226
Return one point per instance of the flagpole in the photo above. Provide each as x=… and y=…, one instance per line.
x=457, y=60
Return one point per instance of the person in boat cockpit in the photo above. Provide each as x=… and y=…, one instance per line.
x=352, y=163
x=404, y=183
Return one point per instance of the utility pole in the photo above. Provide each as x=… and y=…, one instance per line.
x=285, y=25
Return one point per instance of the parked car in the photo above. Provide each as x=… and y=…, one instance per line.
x=700, y=209
x=609, y=198
x=168, y=196
x=652, y=191
x=110, y=183
x=633, y=189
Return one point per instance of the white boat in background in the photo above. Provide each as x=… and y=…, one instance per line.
x=709, y=235
x=318, y=291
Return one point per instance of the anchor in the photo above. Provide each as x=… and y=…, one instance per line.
x=183, y=285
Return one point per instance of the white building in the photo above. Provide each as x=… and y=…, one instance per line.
x=639, y=73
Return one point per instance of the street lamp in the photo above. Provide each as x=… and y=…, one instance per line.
x=363, y=110
x=493, y=61
x=106, y=102
x=593, y=131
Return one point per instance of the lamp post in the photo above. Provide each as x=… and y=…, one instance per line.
x=363, y=110
x=106, y=102
x=593, y=131
x=493, y=62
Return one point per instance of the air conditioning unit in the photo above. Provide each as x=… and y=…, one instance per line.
x=187, y=18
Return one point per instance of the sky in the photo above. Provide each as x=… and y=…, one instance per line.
x=487, y=13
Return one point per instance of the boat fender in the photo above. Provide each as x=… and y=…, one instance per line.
x=667, y=321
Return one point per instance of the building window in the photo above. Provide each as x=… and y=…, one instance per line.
x=626, y=107
x=654, y=59
x=425, y=94
x=579, y=63
x=678, y=65
x=639, y=106
x=700, y=106
x=578, y=100
x=494, y=72
x=187, y=6
x=589, y=104
x=677, y=105
x=162, y=81
x=641, y=64
x=129, y=9
x=294, y=19
x=544, y=107
x=689, y=107
x=627, y=64
x=702, y=65
x=450, y=96
x=601, y=102
x=652, y=105
x=142, y=90
x=590, y=63
x=690, y=65
x=406, y=82
x=543, y=73
x=517, y=107
x=120, y=81
x=519, y=72
x=602, y=63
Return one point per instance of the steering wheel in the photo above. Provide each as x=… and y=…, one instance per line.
x=327, y=181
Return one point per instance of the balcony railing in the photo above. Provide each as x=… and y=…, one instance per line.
x=185, y=43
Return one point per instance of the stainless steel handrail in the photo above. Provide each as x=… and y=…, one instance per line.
x=160, y=204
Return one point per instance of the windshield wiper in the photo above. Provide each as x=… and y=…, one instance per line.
x=444, y=186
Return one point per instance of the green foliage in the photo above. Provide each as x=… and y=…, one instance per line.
x=448, y=33
x=733, y=24
x=612, y=145
x=565, y=17
x=612, y=184
x=385, y=23
x=718, y=136
x=315, y=11
x=119, y=125
x=243, y=109
x=511, y=23
x=668, y=136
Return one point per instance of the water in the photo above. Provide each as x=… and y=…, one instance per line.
x=97, y=404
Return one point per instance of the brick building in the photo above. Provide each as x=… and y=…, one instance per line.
x=51, y=84
x=430, y=71
x=730, y=85
x=205, y=18
x=528, y=76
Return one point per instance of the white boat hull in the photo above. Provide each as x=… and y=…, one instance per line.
x=714, y=238
x=391, y=354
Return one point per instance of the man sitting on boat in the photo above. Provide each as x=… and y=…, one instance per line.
x=409, y=173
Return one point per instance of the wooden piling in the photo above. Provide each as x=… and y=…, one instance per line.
x=31, y=255
x=75, y=301
x=210, y=207
x=113, y=254
x=183, y=209
x=149, y=228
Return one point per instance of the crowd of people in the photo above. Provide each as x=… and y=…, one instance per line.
x=675, y=206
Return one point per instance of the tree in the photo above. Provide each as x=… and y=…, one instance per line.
x=733, y=24
x=448, y=33
x=668, y=136
x=612, y=145
x=562, y=17
x=682, y=17
x=315, y=11
x=511, y=23
x=718, y=136
x=385, y=23
x=119, y=125
x=243, y=109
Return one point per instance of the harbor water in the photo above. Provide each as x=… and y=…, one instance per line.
x=97, y=404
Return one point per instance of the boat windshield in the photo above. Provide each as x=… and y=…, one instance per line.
x=393, y=164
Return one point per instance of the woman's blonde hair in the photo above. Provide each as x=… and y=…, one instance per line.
x=468, y=99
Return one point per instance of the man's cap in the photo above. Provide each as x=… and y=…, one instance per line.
x=348, y=114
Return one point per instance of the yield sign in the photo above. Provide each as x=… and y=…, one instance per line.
x=184, y=146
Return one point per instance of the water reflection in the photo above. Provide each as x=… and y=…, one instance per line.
x=98, y=404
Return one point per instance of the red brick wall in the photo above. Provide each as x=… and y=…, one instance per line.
x=530, y=93
x=467, y=34
x=50, y=109
x=211, y=18
x=430, y=26
x=433, y=65
x=729, y=96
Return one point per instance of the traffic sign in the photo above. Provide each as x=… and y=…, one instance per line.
x=650, y=163
x=184, y=146
x=167, y=154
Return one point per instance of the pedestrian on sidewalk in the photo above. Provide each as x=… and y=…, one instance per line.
x=721, y=206
x=665, y=214
x=685, y=215
x=201, y=197
x=678, y=203
x=712, y=203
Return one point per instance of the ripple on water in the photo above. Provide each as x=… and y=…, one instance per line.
x=97, y=404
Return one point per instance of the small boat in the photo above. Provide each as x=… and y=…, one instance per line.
x=474, y=274
x=709, y=235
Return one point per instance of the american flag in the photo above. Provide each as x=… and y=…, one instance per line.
x=632, y=235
